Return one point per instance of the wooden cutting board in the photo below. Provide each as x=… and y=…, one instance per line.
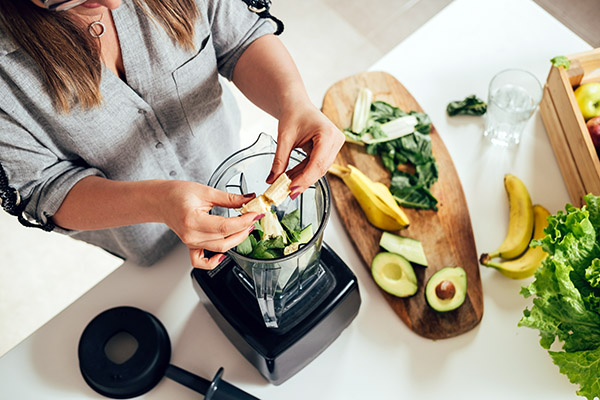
x=446, y=234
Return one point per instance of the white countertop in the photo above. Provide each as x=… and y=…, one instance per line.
x=377, y=357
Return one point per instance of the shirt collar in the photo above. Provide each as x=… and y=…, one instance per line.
x=7, y=45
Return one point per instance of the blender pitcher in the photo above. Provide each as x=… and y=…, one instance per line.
x=286, y=288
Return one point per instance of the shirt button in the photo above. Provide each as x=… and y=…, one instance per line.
x=141, y=111
x=172, y=173
x=159, y=145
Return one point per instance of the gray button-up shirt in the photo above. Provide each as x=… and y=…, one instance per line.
x=171, y=119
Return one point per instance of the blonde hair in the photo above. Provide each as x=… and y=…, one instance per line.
x=69, y=58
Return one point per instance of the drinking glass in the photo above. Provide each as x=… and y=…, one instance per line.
x=513, y=96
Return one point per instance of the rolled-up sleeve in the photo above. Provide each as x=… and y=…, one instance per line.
x=41, y=178
x=234, y=28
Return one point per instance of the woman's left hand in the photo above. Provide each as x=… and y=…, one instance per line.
x=304, y=126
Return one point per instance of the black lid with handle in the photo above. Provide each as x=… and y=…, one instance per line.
x=149, y=363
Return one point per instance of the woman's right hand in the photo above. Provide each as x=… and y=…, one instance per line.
x=184, y=207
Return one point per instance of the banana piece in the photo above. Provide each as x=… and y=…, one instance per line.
x=520, y=224
x=260, y=205
x=274, y=195
x=272, y=227
x=279, y=190
x=526, y=265
x=374, y=198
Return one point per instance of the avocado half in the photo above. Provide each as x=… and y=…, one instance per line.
x=446, y=289
x=394, y=274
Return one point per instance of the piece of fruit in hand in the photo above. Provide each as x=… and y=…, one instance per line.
x=273, y=196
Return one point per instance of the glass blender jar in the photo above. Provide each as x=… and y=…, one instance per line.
x=283, y=312
x=285, y=288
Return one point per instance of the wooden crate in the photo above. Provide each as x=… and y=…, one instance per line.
x=568, y=134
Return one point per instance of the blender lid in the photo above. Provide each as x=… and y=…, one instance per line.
x=147, y=366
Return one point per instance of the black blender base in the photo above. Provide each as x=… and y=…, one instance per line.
x=278, y=355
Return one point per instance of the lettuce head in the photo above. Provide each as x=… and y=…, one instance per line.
x=566, y=294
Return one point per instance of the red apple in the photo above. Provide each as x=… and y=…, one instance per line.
x=593, y=126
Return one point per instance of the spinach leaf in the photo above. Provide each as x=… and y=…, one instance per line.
x=427, y=174
x=416, y=147
x=408, y=194
x=382, y=112
x=424, y=122
x=291, y=221
x=471, y=105
x=254, y=247
x=246, y=246
x=270, y=248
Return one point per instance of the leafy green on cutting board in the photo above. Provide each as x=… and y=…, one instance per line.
x=401, y=138
x=566, y=294
x=471, y=105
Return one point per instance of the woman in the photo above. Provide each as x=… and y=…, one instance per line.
x=112, y=116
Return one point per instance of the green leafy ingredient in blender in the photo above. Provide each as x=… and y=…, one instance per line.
x=566, y=294
x=471, y=105
x=405, y=142
x=561, y=61
x=256, y=245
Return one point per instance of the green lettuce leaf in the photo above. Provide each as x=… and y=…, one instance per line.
x=566, y=294
x=582, y=368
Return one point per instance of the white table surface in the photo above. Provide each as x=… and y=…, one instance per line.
x=377, y=357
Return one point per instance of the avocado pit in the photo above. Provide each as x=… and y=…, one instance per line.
x=445, y=290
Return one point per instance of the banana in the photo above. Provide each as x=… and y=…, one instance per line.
x=279, y=190
x=274, y=195
x=520, y=223
x=260, y=205
x=374, y=198
x=528, y=263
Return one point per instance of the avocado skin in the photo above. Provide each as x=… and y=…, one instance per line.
x=458, y=277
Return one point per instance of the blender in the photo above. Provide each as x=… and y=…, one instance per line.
x=280, y=313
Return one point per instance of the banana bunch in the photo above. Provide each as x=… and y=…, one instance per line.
x=374, y=198
x=526, y=221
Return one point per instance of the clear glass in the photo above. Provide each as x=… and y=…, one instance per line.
x=278, y=284
x=513, y=96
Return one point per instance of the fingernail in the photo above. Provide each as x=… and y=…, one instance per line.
x=259, y=216
x=249, y=195
x=271, y=174
x=295, y=192
x=251, y=229
x=222, y=258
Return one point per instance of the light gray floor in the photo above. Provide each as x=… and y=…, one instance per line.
x=41, y=273
x=581, y=16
